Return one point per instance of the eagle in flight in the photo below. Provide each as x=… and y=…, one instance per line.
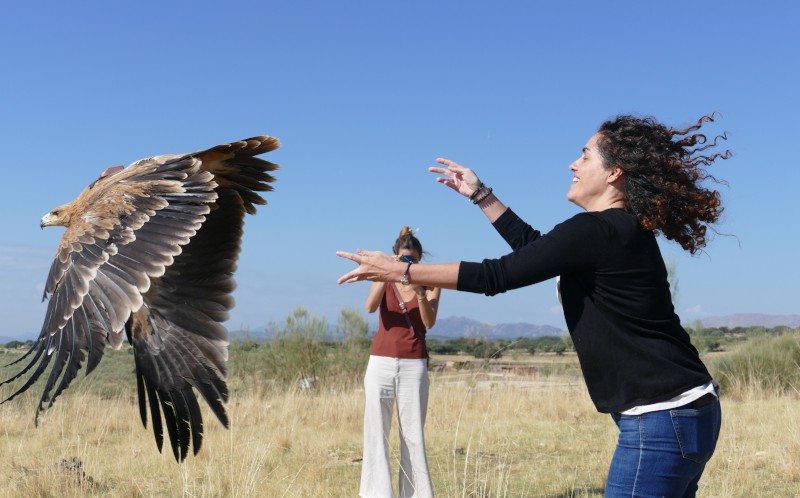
x=150, y=251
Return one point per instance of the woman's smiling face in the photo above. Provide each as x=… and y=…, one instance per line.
x=590, y=178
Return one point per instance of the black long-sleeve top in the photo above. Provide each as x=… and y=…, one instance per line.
x=631, y=346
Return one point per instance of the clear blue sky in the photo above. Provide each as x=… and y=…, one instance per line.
x=365, y=95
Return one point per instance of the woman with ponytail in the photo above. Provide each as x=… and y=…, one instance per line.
x=398, y=371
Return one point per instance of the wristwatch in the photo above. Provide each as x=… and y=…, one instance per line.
x=404, y=279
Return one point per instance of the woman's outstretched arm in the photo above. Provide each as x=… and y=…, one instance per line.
x=378, y=266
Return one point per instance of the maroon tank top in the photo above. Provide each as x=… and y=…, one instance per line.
x=394, y=338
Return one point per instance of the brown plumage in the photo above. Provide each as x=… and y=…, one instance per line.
x=150, y=250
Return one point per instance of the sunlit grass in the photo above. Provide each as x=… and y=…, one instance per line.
x=488, y=435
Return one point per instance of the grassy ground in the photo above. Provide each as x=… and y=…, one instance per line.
x=489, y=435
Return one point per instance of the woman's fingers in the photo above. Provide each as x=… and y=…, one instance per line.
x=347, y=278
x=366, y=261
x=447, y=162
x=351, y=276
x=349, y=255
x=452, y=166
x=451, y=175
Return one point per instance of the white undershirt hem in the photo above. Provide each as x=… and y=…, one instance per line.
x=678, y=401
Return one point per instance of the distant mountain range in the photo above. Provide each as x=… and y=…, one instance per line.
x=458, y=326
x=455, y=327
x=751, y=320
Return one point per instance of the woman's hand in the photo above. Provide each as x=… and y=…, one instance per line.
x=375, y=266
x=420, y=290
x=459, y=178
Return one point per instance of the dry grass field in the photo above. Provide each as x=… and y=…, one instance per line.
x=489, y=435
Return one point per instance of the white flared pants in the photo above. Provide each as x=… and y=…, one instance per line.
x=386, y=380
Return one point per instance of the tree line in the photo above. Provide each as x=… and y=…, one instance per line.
x=352, y=329
x=307, y=352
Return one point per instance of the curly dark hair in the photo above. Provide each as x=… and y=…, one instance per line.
x=663, y=172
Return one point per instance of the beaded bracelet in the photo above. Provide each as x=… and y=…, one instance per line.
x=487, y=192
x=473, y=194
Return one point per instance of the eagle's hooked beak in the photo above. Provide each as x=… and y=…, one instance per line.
x=48, y=219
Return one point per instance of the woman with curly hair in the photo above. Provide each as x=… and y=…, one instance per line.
x=635, y=178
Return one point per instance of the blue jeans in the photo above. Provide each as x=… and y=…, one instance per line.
x=663, y=453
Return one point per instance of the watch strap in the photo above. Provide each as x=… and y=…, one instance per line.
x=404, y=279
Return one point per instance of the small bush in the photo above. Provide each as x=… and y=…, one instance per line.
x=770, y=364
x=303, y=355
x=486, y=349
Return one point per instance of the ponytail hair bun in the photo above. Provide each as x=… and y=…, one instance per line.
x=407, y=240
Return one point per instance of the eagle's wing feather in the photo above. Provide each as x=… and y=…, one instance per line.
x=103, y=264
x=152, y=250
x=179, y=341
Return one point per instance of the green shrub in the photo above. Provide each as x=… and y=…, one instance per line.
x=766, y=363
x=302, y=354
x=436, y=346
x=485, y=349
x=706, y=340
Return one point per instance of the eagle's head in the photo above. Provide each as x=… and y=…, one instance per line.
x=62, y=215
x=58, y=217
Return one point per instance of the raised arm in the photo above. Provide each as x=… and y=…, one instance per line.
x=428, y=300
x=464, y=181
x=375, y=296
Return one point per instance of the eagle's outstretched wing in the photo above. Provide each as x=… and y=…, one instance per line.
x=152, y=250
